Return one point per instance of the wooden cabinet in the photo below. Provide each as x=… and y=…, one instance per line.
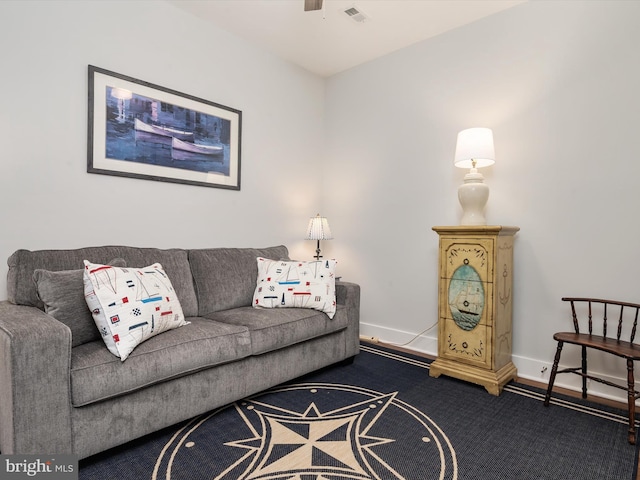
x=475, y=305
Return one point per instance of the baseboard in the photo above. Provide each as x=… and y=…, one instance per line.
x=425, y=342
x=531, y=371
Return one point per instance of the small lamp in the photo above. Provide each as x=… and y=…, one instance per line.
x=474, y=149
x=318, y=229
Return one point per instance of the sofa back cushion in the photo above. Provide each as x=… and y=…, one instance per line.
x=226, y=277
x=21, y=289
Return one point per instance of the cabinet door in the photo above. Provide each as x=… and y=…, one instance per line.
x=466, y=300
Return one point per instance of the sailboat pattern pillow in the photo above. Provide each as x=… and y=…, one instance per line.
x=130, y=305
x=296, y=284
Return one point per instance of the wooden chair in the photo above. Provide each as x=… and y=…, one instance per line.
x=583, y=311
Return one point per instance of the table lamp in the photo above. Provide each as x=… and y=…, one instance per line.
x=318, y=229
x=474, y=149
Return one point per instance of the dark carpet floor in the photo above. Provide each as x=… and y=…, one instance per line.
x=383, y=418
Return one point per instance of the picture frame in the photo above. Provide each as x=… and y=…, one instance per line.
x=141, y=130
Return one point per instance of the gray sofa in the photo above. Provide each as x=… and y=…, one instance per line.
x=60, y=394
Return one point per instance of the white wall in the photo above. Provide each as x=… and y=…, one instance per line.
x=558, y=84
x=47, y=200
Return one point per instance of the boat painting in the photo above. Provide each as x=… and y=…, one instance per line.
x=466, y=297
x=133, y=123
x=162, y=130
x=202, y=149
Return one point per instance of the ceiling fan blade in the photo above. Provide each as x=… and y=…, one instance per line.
x=310, y=5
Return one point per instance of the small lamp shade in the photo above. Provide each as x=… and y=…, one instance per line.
x=318, y=229
x=474, y=148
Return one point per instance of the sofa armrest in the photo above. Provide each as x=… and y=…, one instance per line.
x=35, y=360
x=348, y=294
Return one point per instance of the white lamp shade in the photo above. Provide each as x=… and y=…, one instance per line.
x=475, y=145
x=318, y=229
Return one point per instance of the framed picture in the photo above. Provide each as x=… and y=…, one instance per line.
x=141, y=130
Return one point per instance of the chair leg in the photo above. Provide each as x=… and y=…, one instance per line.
x=552, y=375
x=584, y=372
x=632, y=402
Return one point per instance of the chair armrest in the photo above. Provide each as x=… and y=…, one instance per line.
x=35, y=362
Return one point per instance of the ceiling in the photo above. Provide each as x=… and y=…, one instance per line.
x=329, y=41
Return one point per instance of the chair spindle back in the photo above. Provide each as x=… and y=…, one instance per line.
x=591, y=311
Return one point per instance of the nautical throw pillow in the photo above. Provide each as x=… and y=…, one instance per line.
x=296, y=284
x=130, y=305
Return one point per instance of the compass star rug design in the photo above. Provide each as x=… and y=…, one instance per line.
x=383, y=418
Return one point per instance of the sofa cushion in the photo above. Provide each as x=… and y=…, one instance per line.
x=226, y=277
x=272, y=329
x=284, y=284
x=97, y=375
x=22, y=263
x=130, y=305
x=63, y=296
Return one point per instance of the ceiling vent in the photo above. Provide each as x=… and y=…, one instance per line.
x=356, y=15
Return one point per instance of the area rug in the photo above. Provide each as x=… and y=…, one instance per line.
x=383, y=418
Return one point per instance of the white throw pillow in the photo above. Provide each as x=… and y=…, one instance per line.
x=130, y=305
x=283, y=284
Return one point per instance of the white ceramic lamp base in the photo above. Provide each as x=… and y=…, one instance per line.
x=473, y=195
